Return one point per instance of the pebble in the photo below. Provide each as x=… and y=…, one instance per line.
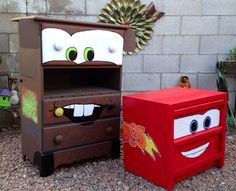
x=101, y=174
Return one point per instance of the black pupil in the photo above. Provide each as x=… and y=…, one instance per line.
x=72, y=55
x=90, y=55
x=207, y=122
x=193, y=126
x=4, y=98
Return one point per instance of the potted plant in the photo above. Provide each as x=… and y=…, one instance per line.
x=230, y=64
x=222, y=68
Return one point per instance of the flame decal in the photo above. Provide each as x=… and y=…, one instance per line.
x=151, y=147
x=136, y=137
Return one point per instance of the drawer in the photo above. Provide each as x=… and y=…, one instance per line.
x=81, y=108
x=74, y=134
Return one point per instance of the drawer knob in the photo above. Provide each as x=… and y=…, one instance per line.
x=58, y=139
x=59, y=112
x=109, y=130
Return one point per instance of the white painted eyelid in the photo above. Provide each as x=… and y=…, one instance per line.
x=53, y=39
x=107, y=45
x=181, y=125
x=214, y=114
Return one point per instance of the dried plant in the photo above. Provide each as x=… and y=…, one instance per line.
x=132, y=13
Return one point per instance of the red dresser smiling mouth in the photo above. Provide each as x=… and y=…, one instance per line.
x=196, y=152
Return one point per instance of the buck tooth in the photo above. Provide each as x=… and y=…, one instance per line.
x=67, y=107
x=78, y=110
x=96, y=105
x=88, y=109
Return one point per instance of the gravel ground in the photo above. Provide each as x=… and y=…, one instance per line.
x=101, y=174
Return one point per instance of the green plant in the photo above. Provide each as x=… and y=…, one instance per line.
x=232, y=54
x=137, y=16
x=223, y=87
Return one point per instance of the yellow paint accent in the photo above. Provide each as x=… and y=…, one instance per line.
x=150, y=147
x=59, y=112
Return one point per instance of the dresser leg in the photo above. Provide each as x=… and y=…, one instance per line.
x=45, y=163
x=115, y=149
x=46, y=166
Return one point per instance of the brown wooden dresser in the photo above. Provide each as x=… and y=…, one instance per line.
x=70, y=89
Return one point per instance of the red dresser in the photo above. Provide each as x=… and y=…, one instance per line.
x=172, y=134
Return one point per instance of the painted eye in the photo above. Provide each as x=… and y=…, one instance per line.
x=71, y=53
x=88, y=54
x=193, y=126
x=207, y=122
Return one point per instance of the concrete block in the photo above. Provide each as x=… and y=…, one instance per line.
x=154, y=46
x=161, y=63
x=127, y=93
x=207, y=81
x=6, y=25
x=182, y=7
x=158, y=3
x=14, y=43
x=167, y=25
x=132, y=63
x=93, y=8
x=16, y=6
x=37, y=6
x=198, y=63
x=3, y=6
x=141, y=82
x=4, y=47
x=87, y=18
x=66, y=6
x=218, y=7
x=199, y=25
x=171, y=80
x=228, y=25
x=180, y=44
x=10, y=63
x=217, y=44
x=222, y=57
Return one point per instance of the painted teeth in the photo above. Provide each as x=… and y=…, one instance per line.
x=78, y=110
x=69, y=107
x=82, y=110
x=88, y=109
x=195, y=152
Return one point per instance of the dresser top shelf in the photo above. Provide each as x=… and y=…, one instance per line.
x=81, y=91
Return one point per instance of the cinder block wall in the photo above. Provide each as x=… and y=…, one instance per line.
x=189, y=39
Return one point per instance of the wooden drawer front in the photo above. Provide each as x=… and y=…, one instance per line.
x=111, y=103
x=76, y=154
x=71, y=135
